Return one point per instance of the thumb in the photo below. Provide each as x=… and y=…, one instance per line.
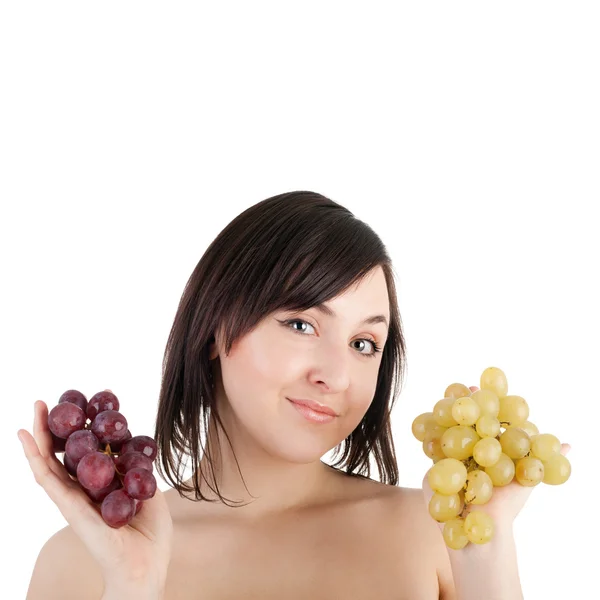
x=154, y=519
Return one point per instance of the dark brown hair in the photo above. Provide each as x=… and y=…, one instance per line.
x=289, y=252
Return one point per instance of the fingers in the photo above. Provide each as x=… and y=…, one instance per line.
x=473, y=388
x=154, y=519
x=43, y=439
x=41, y=432
x=72, y=503
x=564, y=449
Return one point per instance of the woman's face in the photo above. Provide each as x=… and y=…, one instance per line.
x=325, y=359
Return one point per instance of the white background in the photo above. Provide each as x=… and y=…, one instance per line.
x=466, y=134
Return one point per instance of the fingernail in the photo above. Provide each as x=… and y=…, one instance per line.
x=19, y=436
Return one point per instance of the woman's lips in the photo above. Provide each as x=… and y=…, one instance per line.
x=312, y=415
x=316, y=406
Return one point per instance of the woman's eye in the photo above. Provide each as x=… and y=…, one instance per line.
x=291, y=322
x=295, y=322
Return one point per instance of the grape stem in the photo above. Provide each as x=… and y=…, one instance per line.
x=107, y=450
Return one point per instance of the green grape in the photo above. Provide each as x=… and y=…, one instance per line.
x=421, y=424
x=529, y=428
x=489, y=403
x=448, y=476
x=557, y=469
x=529, y=471
x=443, y=508
x=454, y=534
x=494, y=379
x=487, y=426
x=465, y=411
x=503, y=472
x=458, y=442
x=545, y=445
x=432, y=443
x=442, y=412
x=487, y=451
x=514, y=441
x=479, y=527
x=514, y=411
x=479, y=487
x=457, y=390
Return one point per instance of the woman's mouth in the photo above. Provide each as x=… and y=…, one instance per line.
x=311, y=414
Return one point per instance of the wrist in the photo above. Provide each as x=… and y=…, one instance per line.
x=489, y=570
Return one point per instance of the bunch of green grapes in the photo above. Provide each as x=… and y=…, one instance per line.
x=477, y=441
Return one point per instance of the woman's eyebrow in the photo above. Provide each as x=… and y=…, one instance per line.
x=368, y=321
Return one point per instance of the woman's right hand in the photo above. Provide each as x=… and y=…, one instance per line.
x=134, y=556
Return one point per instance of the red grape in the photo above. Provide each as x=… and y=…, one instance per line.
x=133, y=460
x=139, y=484
x=81, y=443
x=66, y=418
x=70, y=466
x=95, y=470
x=117, y=479
x=99, y=495
x=117, y=509
x=110, y=426
x=100, y=402
x=58, y=444
x=116, y=446
x=75, y=397
x=141, y=443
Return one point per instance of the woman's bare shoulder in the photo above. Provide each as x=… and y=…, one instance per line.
x=401, y=505
x=408, y=539
x=406, y=510
x=414, y=533
x=65, y=570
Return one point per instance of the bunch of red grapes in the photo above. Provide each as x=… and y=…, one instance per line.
x=113, y=468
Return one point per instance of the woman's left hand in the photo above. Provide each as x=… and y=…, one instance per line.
x=506, y=501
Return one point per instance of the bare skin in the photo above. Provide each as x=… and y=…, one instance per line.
x=367, y=540
x=308, y=531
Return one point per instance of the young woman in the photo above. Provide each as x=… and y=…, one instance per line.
x=293, y=304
